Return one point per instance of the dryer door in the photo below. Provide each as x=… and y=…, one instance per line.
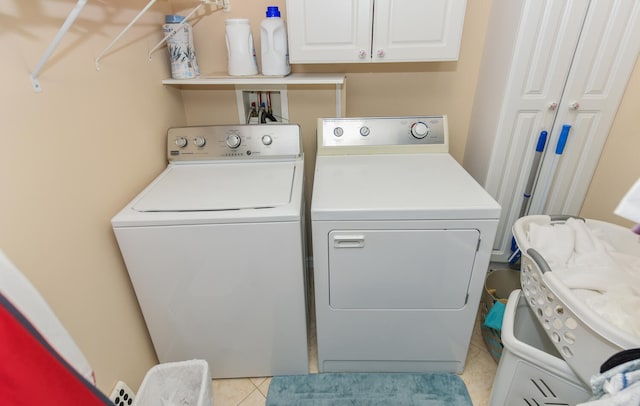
x=400, y=269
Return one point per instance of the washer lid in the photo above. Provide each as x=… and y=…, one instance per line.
x=218, y=187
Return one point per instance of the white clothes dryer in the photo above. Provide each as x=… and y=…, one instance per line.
x=215, y=250
x=402, y=237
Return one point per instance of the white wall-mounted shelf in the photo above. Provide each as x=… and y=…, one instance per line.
x=292, y=79
x=337, y=79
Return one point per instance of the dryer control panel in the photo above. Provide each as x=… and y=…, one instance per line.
x=233, y=142
x=383, y=135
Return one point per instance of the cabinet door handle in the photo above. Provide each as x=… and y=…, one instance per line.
x=574, y=106
x=362, y=54
x=348, y=241
x=380, y=53
x=562, y=139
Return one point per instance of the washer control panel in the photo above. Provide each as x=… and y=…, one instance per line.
x=233, y=142
x=429, y=132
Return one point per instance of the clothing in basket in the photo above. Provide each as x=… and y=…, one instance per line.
x=606, y=280
x=618, y=386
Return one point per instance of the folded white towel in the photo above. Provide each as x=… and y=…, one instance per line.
x=619, y=307
x=554, y=242
x=586, y=240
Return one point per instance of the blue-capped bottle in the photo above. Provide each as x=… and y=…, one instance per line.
x=273, y=44
x=182, y=53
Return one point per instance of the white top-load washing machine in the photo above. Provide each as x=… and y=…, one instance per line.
x=214, y=247
x=402, y=237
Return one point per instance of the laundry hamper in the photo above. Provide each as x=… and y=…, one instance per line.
x=498, y=285
x=531, y=372
x=582, y=337
x=182, y=383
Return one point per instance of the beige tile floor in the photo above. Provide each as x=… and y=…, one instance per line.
x=478, y=375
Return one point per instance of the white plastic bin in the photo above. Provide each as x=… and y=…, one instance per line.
x=531, y=372
x=184, y=383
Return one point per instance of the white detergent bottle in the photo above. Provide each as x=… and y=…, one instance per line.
x=273, y=43
x=242, y=54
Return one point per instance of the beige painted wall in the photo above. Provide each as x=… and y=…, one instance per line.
x=75, y=154
x=619, y=166
x=78, y=152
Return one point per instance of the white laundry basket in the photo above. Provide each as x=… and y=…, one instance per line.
x=531, y=372
x=183, y=383
x=582, y=337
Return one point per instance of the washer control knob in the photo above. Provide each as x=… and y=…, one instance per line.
x=419, y=130
x=364, y=131
x=199, y=141
x=233, y=140
x=338, y=131
x=267, y=140
x=181, y=142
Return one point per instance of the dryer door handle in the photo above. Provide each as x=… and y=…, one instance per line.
x=348, y=241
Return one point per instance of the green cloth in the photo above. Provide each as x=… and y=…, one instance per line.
x=368, y=389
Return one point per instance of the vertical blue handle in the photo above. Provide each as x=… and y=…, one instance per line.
x=542, y=140
x=562, y=140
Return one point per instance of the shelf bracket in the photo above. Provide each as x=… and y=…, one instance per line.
x=71, y=18
x=224, y=4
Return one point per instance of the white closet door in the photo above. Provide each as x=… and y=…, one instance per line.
x=542, y=55
x=605, y=57
x=329, y=30
x=408, y=30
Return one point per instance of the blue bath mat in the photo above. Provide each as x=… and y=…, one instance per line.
x=368, y=389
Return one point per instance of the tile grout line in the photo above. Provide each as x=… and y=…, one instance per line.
x=246, y=397
x=255, y=388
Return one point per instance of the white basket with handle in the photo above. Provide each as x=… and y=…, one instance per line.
x=583, y=338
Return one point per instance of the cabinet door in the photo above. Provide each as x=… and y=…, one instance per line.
x=545, y=41
x=603, y=62
x=329, y=30
x=407, y=30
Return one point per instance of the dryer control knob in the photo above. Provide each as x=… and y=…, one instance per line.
x=199, y=141
x=419, y=130
x=266, y=139
x=233, y=140
x=181, y=142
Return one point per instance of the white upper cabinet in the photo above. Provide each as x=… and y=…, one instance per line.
x=356, y=31
x=427, y=30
